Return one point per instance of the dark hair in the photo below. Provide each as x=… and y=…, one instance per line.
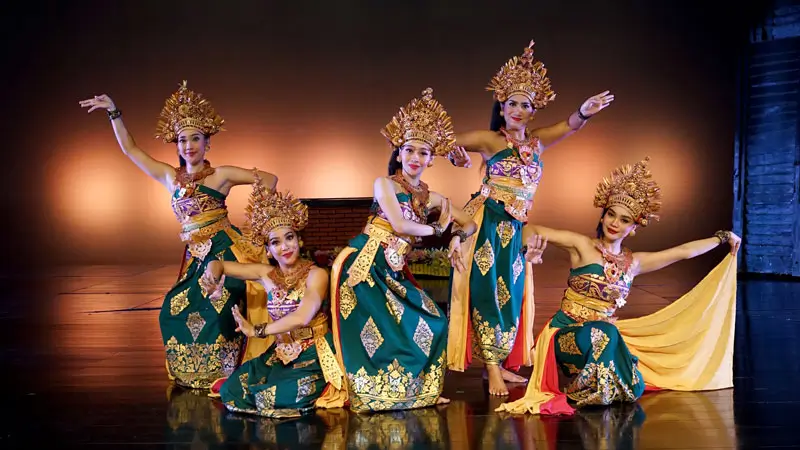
x=394, y=164
x=600, y=225
x=497, y=120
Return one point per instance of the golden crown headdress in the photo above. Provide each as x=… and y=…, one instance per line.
x=523, y=75
x=186, y=108
x=422, y=119
x=270, y=209
x=632, y=187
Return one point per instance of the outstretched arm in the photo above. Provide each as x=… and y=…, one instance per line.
x=237, y=270
x=645, y=262
x=386, y=196
x=235, y=176
x=553, y=134
x=158, y=170
x=316, y=290
x=564, y=239
x=475, y=141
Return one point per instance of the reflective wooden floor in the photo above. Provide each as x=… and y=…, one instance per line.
x=83, y=365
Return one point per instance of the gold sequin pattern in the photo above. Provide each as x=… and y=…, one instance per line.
x=195, y=324
x=179, y=302
x=220, y=302
x=599, y=342
x=484, y=257
x=371, y=337
x=306, y=386
x=199, y=365
x=505, y=230
x=395, y=388
x=491, y=344
x=347, y=300
x=567, y=344
x=502, y=295
x=599, y=384
x=396, y=308
x=265, y=399
x=423, y=336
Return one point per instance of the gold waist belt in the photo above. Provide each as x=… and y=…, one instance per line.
x=517, y=201
x=581, y=308
x=199, y=239
x=380, y=233
x=289, y=345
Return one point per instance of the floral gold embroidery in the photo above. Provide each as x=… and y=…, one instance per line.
x=505, y=230
x=502, y=296
x=567, y=344
x=572, y=369
x=347, y=300
x=306, y=386
x=484, y=257
x=599, y=342
x=395, y=388
x=491, y=344
x=199, y=365
x=396, y=286
x=428, y=304
x=396, y=308
x=371, y=337
x=423, y=336
x=245, y=387
x=179, y=302
x=219, y=303
x=195, y=324
x=599, y=385
x=265, y=400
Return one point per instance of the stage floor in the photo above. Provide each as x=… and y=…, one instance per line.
x=84, y=366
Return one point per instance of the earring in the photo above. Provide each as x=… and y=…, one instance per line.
x=632, y=233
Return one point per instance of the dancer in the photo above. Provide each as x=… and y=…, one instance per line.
x=291, y=377
x=199, y=333
x=491, y=303
x=687, y=345
x=389, y=334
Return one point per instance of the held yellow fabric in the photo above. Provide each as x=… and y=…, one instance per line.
x=688, y=345
x=525, y=331
x=256, y=304
x=459, y=302
x=534, y=396
x=336, y=271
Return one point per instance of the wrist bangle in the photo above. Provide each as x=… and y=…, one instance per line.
x=113, y=114
x=723, y=236
x=582, y=117
x=261, y=330
x=461, y=234
x=437, y=229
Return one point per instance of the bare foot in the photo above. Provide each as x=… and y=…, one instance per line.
x=496, y=384
x=511, y=377
x=442, y=401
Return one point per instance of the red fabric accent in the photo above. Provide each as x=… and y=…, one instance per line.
x=517, y=356
x=650, y=388
x=215, y=388
x=558, y=405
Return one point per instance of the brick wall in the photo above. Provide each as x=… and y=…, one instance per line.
x=333, y=222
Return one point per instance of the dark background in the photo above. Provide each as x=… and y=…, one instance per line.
x=306, y=86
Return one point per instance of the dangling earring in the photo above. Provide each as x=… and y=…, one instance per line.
x=632, y=233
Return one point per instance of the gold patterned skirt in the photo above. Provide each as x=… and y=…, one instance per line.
x=390, y=334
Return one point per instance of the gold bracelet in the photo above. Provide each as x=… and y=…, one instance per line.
x=261, y=330
x=723, y=236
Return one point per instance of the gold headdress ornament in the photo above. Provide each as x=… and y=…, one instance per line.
x=423, y=119
x=270, y=209
x=525, y=76
x=186, y=108
x=633, y=188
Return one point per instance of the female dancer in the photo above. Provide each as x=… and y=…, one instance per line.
x=289, y=378
x=491, y=302
x=199, y=334
x=686, y=346
x=389, y=334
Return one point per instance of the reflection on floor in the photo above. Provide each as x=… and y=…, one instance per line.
x=84, y=365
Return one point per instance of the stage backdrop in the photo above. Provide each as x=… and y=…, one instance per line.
x=305, y=91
